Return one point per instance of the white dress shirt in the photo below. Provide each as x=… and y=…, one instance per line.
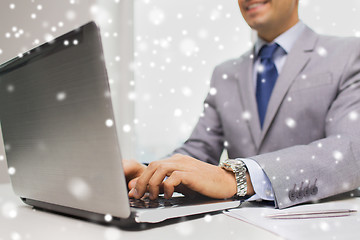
x=261, y=183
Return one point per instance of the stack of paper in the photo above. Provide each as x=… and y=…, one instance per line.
x=337, y=226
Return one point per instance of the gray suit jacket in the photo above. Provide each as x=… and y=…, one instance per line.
x=309, y=146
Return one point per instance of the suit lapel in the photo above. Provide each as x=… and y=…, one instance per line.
x=296, y=61
x=244, y=77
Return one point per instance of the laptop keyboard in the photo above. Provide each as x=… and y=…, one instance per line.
x=160, y=202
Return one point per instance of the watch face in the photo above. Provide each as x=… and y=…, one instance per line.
x=235, y=162
x=231, y=164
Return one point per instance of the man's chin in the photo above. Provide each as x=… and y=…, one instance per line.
x=258, y=25
x=257, y=20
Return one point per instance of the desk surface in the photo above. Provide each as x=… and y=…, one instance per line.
x=21, y=222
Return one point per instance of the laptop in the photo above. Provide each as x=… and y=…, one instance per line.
x=60, y=136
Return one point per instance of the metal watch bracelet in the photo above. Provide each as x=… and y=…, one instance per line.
x=238, y=167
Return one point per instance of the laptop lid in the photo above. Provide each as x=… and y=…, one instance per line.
x=58, y=125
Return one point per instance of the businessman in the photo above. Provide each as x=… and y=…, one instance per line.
x=287, y=112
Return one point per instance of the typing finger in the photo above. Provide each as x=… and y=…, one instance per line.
x=143, y=182
x=157, y=179
x=175, y=179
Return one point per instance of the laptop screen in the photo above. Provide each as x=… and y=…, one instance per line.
x=58, y=125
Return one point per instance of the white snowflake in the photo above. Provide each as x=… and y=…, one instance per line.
x=15, y=236
x=346, y=186
x=185, y=228
x=188, y=47
x=178, y=112
x=214, y=15
x=213, y=91
x=324, y=226
x=109, y=122
x=338, y=155
x=260, y=68
x=132, y=96
x=11, y=170
x=246, y=115
x=70, y=15
x=48, y=37
x=186, y=91
x=156, y=16
x=61, y=96
x=126, y=128
x=108, y=217
x=9, y=210
x=322, y=51
x=112, y=233
x=7, y=147
x=291, y=123
x=208, y=218
x=2, y=158
x=203, y=33
x=79, y=188
x=10, y=88
x=353, y=116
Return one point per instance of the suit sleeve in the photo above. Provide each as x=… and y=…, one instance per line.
x=206, y=142
x=330, y=165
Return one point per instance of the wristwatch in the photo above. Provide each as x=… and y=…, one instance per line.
x=238, y=167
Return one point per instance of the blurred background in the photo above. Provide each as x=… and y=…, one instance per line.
x=159, y=54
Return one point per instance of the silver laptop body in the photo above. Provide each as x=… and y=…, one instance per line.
x=60, y=135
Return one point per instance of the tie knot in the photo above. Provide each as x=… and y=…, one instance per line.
x=267, y=51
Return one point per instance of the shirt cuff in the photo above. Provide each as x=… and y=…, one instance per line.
x=260, y=182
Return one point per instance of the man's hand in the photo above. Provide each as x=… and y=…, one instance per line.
x=133, y=171
x=198, y=176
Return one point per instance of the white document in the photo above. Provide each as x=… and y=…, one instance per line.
x=346, y=227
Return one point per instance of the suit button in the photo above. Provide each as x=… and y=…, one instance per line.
x=292, y=195
x=314, y=190
x=299, y=194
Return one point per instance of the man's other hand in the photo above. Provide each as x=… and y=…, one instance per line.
x=133, y=171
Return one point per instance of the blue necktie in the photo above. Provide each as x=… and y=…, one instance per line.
x=266, y=78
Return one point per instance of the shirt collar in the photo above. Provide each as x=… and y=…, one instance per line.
x=286, y=40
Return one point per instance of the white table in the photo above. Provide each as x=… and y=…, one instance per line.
x=19, y=221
